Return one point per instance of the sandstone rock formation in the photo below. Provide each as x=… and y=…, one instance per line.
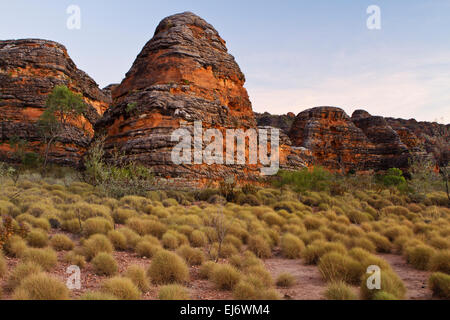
x=29, y=70
x=334, y=140
x=283, y=122
x=183, y=74
x=388, y=150
x=362, y=142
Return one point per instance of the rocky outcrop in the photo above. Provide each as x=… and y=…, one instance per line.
x=283, y=122
x=334, y=140
x=29, y=70
x=362, y=142
x=388, y=150
x=182, y=75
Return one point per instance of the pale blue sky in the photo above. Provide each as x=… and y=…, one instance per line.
x=295, y=54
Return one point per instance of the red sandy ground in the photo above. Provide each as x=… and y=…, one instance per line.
x=309, y=284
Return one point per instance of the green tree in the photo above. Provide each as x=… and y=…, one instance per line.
x=62, y=106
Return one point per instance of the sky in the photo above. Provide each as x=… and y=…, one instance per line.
x=295, y=54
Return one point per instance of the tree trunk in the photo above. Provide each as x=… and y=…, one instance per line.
x=47, y=150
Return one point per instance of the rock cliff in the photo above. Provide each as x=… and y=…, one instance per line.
x=29, y=70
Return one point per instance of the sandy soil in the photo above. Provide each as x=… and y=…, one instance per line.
x=414, y=280
x=309, y=284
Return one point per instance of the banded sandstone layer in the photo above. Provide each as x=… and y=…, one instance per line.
x=182, y=75
x=362, y=142
x=29, y=70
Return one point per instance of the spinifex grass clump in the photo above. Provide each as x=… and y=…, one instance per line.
x=167, y=267
x=41, y=287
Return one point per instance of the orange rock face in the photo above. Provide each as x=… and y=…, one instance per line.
x=29, y=70
x=183, y=74
x=331, y=136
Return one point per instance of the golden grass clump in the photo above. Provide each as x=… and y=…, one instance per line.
x=334, y=266
x=419, y=256
x=167, y=267
x=97, y=295
x=285, y=280
x=104, y=264
x=439, y=283
x=147, y=226
x=118, y=240
x=72, y=226
x=173, y=292
x=245, y=290
x=41, y=287
x=37, y=238
x=15, y=246
x=225, y=276
x=259, y=246
x=137, y=274
x=122, y=288
x=20, y=272
x=97, y=225
x=147, y=249
x=75, y=259
x=381, y=242
x=339, y=290
x=192, y=256
x=61, y=242
x=132, y=237
x=258, y=275
x=206, y=269
x=46, y=257
x=440, y=262
x=170, y=240
x=291, y=246
x=198, y=239
x=95, y=244
x=121, y=215
x=313, y=252
x=390, y=283
x=3, y=266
